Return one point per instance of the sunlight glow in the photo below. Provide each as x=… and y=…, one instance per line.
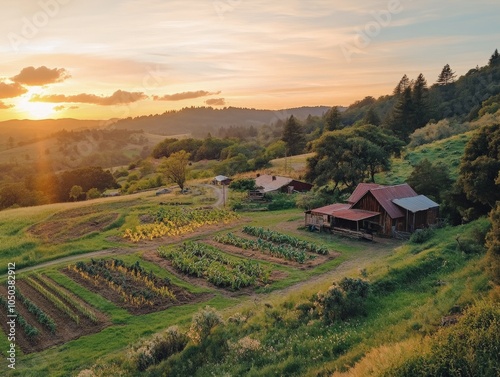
x=34, y=110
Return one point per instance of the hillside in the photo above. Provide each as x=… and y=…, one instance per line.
x=203, y=120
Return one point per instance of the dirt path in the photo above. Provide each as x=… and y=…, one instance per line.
x=219, y=194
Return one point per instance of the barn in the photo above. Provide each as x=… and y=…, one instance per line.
x=372, y=208
x=266, y=183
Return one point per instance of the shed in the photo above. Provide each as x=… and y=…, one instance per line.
x=420, y=211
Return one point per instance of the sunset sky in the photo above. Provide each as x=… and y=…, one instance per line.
x=118, y=58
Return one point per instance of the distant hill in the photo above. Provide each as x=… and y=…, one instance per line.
x=19, y=132
x=201, y=120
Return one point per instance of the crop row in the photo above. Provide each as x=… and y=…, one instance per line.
x=205, y=261
x=280, y=238
x=266, y=247
x=56, y=301
x=177, y=221
x=125, y=280
x=42, y=317
x=69, y=298
x=30, y=331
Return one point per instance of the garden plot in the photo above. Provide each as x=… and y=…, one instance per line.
x=48, y=314
x=273, y=246
x=172, y=222
x=129, y=286
x=203, y=261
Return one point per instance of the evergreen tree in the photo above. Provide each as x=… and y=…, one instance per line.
x=447, y=76
x=333, y=120
x=420, y=101
x=404, y=83
x=371, y=117
x=293, y=136
x=495, y=59
x=402, y=118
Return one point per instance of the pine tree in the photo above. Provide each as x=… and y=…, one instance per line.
x=420, y=101
x=447, y=76
x=495, y=59
x=371, y=117
x=293, y=136
x=403, y=84
x=333, y=119
x=402, y=118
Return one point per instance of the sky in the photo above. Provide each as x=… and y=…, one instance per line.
x=125, y=58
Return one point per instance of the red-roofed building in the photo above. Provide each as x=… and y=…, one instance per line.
x=379, y=209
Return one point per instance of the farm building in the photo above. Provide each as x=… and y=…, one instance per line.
x=221, y=180
x=266, y=183
x=385, y=210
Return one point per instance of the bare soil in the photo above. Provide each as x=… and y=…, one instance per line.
x=66, y=229
x=182, y=296
x=66, y=328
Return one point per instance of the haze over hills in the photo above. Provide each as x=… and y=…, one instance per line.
x=201, y=120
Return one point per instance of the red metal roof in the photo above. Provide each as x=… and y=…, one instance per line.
x=386, y=194
x=354, y=214
x=330, y=209
x=361, y=190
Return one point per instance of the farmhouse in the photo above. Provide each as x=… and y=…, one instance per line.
x=384, y=210
x=266, y=183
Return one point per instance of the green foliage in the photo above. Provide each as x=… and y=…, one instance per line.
x=349, y=156
x=281, y=238
x=343, y=300
x=158, y=348
x=243, y=184
x=281, y=201
x=333, y=119
x=176, y=167
x=422, y=235
x=201, y=260
x=467, y=349
x=480, y=166
x=493, y=244
x=438, y=131
x=42, y=317
x=203, y=323
x=431, y=180
x=293, y=136
x=93, y=193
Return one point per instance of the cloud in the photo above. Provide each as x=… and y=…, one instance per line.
x=11, y=90
x=184, y=95
x=216, y=102
x=73, y=107
x=117, y=98
x=3, y=106
x=59, y=108
x=40, y=76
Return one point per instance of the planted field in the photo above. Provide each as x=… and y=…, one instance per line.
x=280, y=238
x=205, y=261
x=277, y=245
x=178, y=221
x=128, y=286
x=266, y=247
x=48, y=314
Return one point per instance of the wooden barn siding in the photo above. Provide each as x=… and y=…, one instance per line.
x=369, y=203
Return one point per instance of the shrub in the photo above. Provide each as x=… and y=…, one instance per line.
x=422, y=235
x=343, y=300
x=242, y=185
x=158, y=348
x=202, y=324
x=281, y=201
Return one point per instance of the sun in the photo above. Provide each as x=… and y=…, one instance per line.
x=34, y=110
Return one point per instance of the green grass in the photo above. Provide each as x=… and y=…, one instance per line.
x=447, y=152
